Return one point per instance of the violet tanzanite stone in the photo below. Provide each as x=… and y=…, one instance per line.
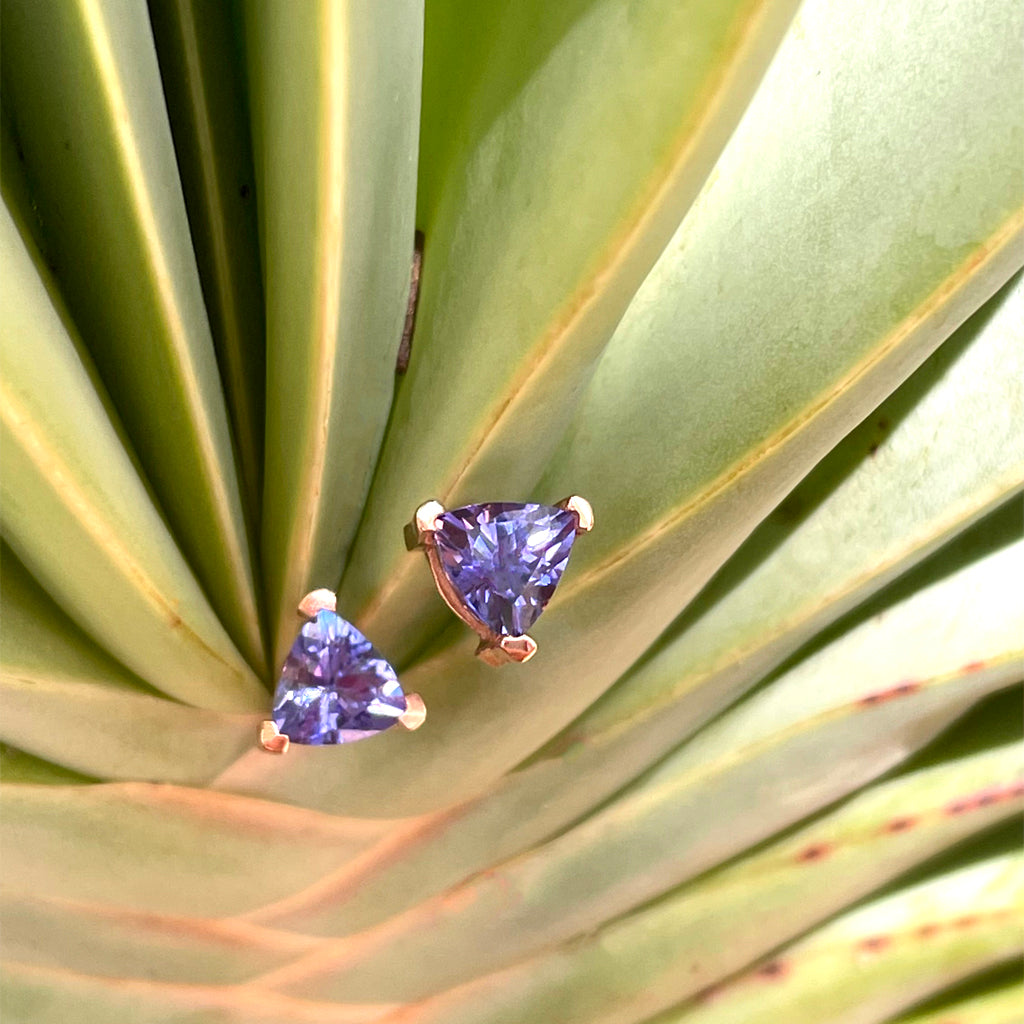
x=335, y=686
x=505, y=559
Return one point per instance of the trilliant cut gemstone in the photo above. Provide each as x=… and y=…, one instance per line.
x=505, y=559
x=335, y=686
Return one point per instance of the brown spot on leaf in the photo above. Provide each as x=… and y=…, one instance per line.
x=974, y=666
x=900, y=824
x=928, y=931
x=959, y=806
x=773, y=969
x=874, y=943
x=904, y=689
x=817, y=851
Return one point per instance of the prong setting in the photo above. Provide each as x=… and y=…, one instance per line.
x=503, y=650
x=420, y=531
x=317, y=601
x=272, y=739
x=415, y=713
x=582, y=508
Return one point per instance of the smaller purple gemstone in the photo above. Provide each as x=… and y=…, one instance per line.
x=506, y=559
x=335, y=686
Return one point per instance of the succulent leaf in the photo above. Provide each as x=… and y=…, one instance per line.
x=207, y=107
x=522, y=286
x=744, y=275
x=67, y=476
x=339, y=88
x=96, y=141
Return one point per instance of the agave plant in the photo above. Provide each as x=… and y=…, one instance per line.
x=740, y=274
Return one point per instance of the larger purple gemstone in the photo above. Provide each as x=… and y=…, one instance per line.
x=506, y=559
x=335, y=686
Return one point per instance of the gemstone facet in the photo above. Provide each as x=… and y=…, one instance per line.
x=335, y=686
x=505, y=559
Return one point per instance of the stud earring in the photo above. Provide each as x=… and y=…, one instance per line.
x=496, y=565
x=335, y=686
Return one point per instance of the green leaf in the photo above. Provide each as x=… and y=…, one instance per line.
x=1001, y=1005
x=207, y=106
x=339, y=88
x=66, y=700
x=101, y=941
x=167, y=849
x=577, y=135
x=866, y=965
x=951, y=442
x=803, y=567
x=17, y=767
x=927, y=464
x=730, y=787
x=824, y=366
x=585, y=878
x=880, y=958
x=80, y=519
x=83, y=91
x=54, y=996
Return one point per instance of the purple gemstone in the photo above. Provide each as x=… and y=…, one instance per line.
x=335, y=686
x=506, y=559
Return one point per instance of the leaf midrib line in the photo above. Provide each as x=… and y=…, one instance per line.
x=334, y=120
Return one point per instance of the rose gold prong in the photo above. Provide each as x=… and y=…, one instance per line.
x=424, y=523
x=584, y=513
x=317, y=601
x=272, y=739
x=415, y=713
x=505, y=649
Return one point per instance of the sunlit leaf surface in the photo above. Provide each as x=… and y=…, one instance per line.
x=742, y=274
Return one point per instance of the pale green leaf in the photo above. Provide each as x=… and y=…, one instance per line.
x=66, y=700
x=82, y=88
x=77, y=515
x=767, y=419
x=574, y=137
x=856, y=970
x=952, y=443
x=203, y=76
x=802, y=568
x=18, y=767
x=339, y=88
x=885, y=956
x=933, y=459
x=39, y=995
x=1000, y=1005
x=101, y=941
x=128, y=735
x=729, y=787
x=547, y=897
x=167, y=849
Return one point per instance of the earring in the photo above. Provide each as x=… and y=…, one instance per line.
x=496, y=565
x=335, y=686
